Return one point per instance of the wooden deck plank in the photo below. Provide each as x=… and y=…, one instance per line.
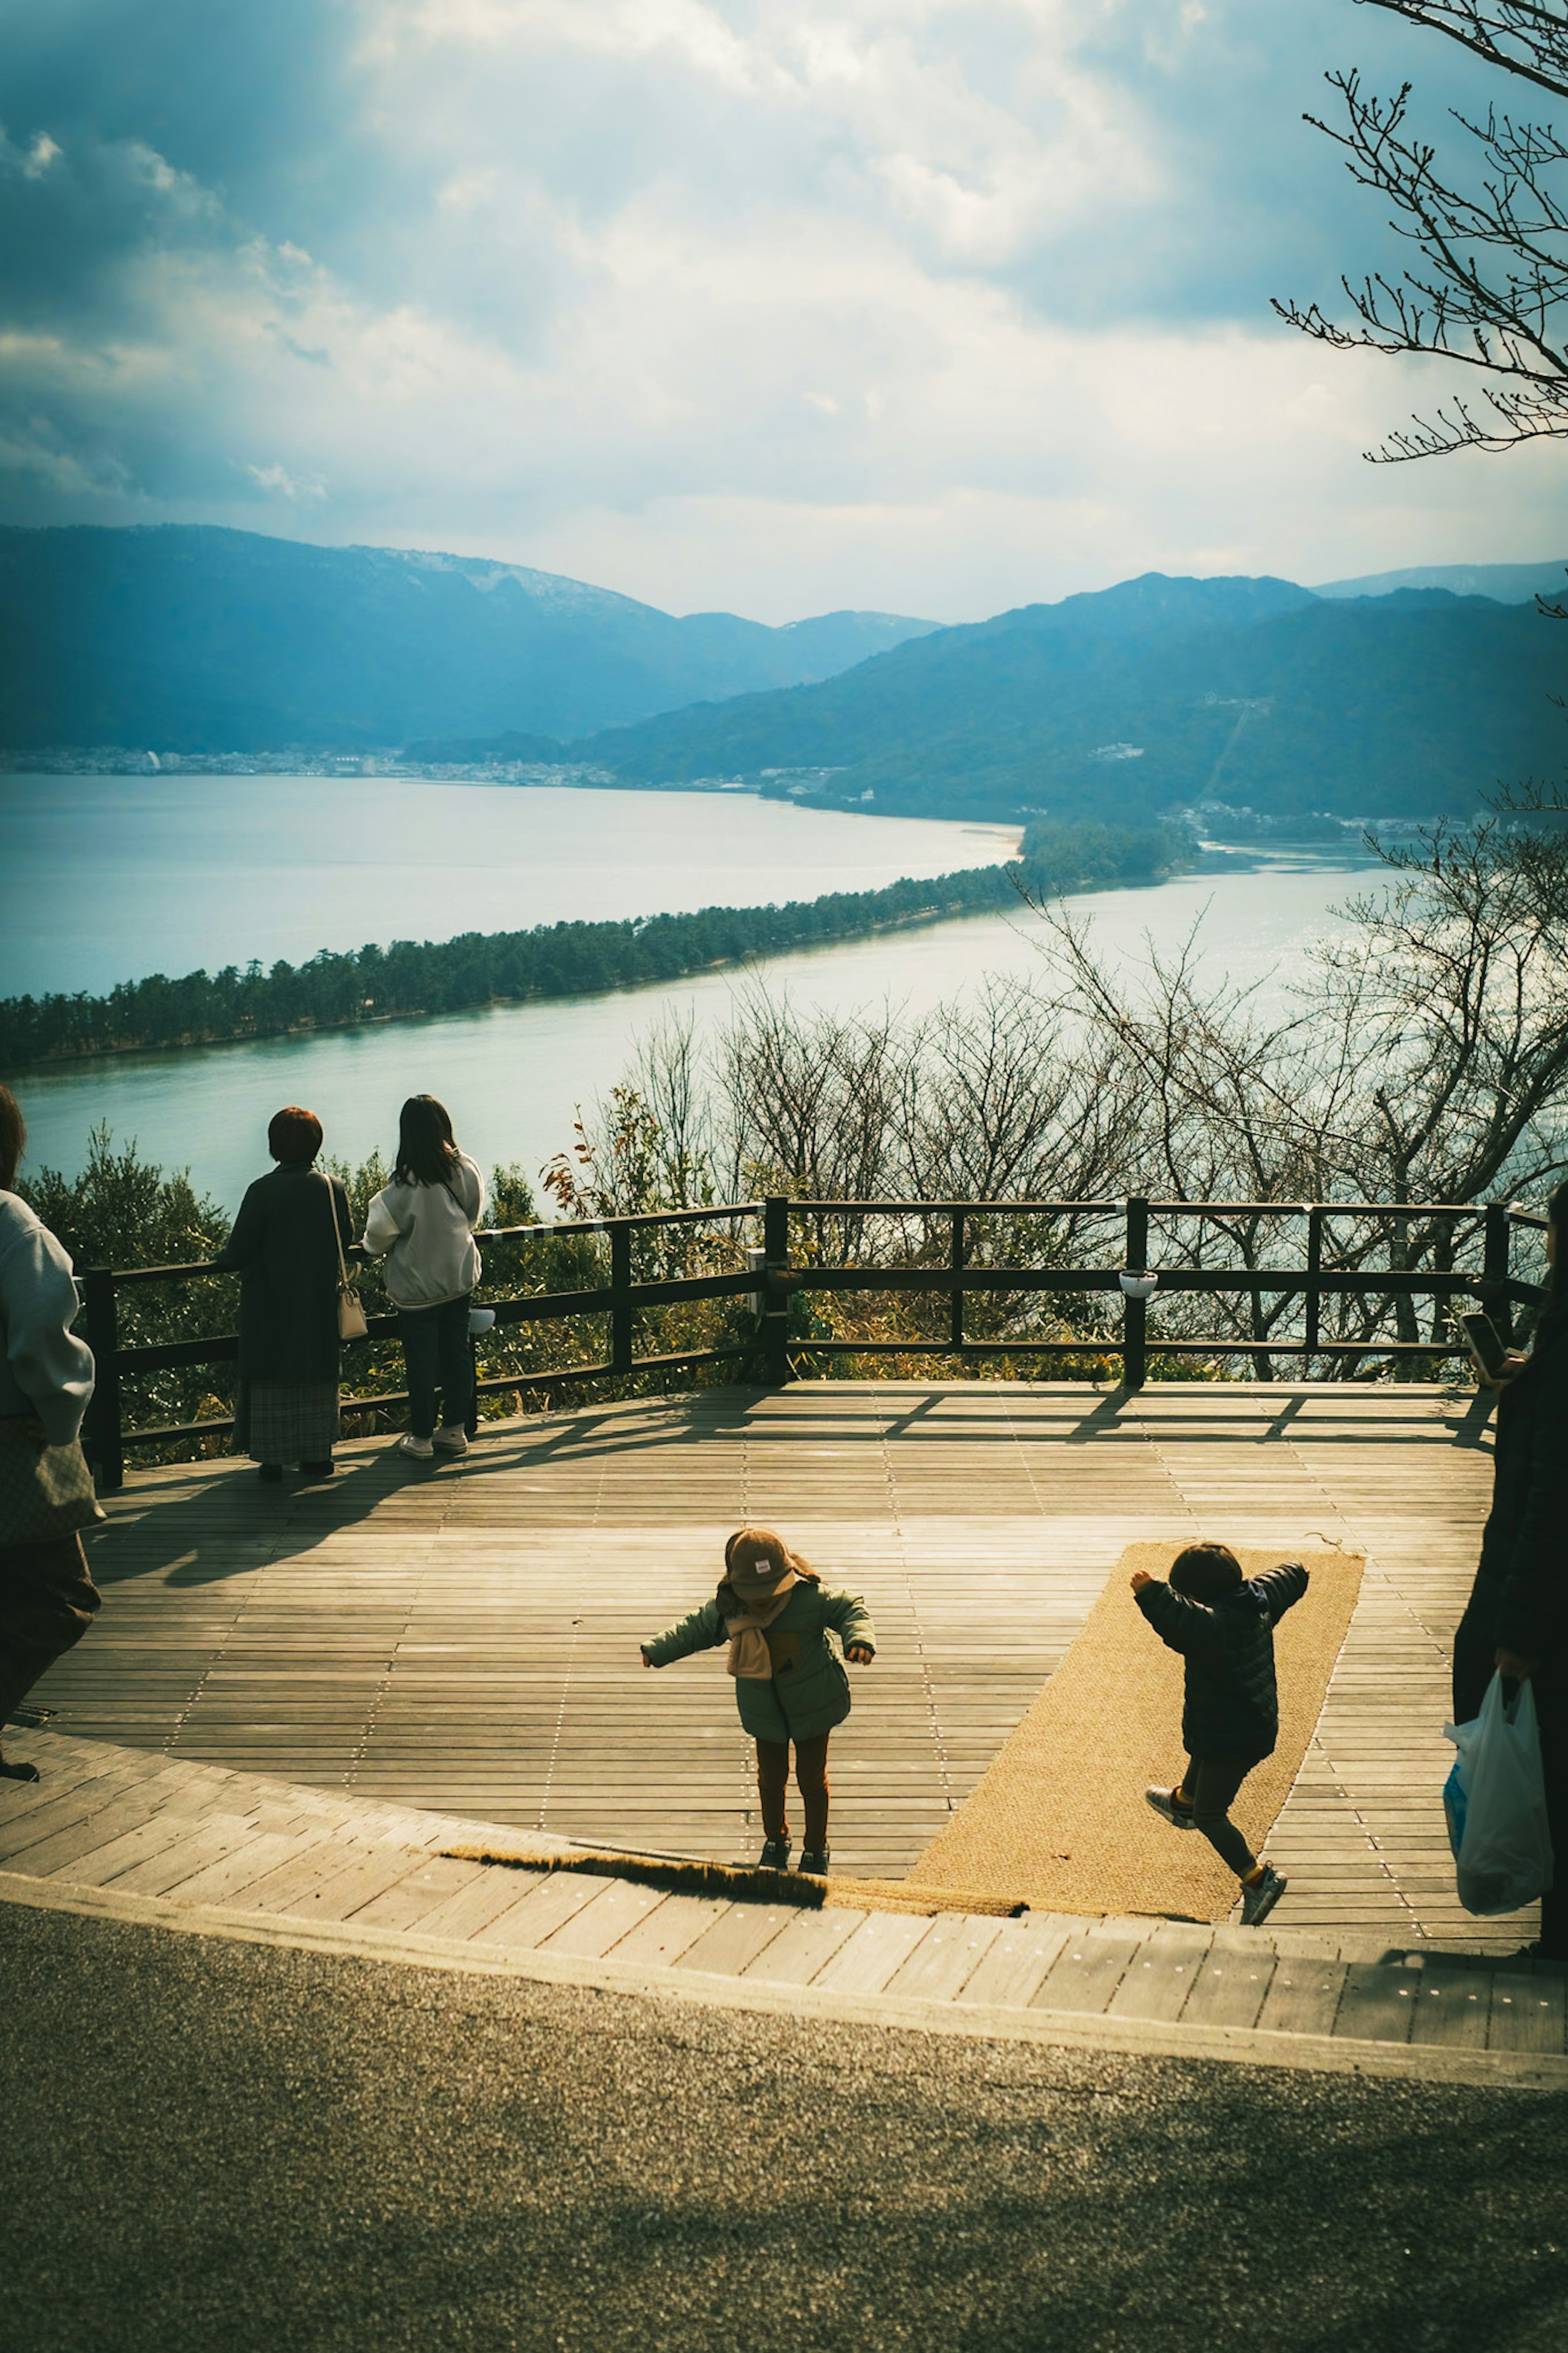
x=1377, y=2003
x=1303, y=1997
x=1159, y=1980
x=1527, y=2012
x=802, y=1947
x=619, y=1907
x=1011, y=1973
x=471, y=1910
x=411, y=1899
x=946, y=1958
x=879, y=1948
x=1231, y=1983
x=739, y=1934
x=1453, y=2007
x=671, y=1929
x=1085, y=1974
x=230, y=1879
x=540, y=1910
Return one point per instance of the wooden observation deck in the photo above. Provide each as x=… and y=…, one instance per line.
x=463, y=1636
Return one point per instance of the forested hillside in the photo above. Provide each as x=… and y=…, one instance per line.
x=1156, y=694
x=187, y=639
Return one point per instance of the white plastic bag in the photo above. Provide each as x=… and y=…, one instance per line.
x=1496, y=1804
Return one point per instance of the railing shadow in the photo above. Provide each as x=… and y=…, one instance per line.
x=202, y=1524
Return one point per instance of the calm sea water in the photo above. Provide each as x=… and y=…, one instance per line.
x=512, y=1076
x=109, y=878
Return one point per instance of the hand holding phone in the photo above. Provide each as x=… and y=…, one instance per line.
x=1484, y=1342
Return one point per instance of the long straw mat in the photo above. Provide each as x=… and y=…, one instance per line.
x=1060, y=1819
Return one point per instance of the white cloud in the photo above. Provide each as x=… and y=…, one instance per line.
x=766, y=305
x=277, y=481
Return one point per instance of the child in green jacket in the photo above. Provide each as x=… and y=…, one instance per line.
x=772, y=1610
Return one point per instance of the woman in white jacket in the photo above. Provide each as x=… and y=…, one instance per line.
x=423, y=1224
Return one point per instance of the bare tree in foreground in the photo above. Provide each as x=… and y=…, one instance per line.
x=1422, y=1057
x=1487, y=282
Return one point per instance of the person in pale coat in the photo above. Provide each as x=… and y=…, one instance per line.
x=423, y=1225
x=47, y=1601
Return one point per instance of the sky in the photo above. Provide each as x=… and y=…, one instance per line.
x=771, y=306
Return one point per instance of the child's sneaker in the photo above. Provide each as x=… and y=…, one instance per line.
x=451, y=1438
x=815, y=1861
x=1164, y=1804
x=774, y=1855
x=420, y=1447
x=1259, y=1900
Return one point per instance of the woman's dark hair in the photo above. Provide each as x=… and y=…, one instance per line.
x=1205, y=1571
x=13, y=1136
x=426, y=1154
x=294, y=1135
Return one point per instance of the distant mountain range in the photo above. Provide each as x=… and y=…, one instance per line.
x=190, y=639
x=1510, y=583
x=1159, y=693
x=1257, y=695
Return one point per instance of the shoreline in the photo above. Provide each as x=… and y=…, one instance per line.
x=371, y=986
x=1213, y=859
x=301, y=1032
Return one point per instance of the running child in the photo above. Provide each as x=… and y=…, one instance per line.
x=790, y=1685
x=1223, y=1624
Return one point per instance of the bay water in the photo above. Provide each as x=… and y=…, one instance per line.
x=128, y=885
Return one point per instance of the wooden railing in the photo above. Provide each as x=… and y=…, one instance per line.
x=775, y=1277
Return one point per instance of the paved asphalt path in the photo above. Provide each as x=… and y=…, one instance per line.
x=209, y=2146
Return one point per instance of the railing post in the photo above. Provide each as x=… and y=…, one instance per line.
x=1314, y=1268
x=103, y=1414
x=1135, y=1312
x=621, y=1298
x=955, y=1297
x=775, y=1295
x=1497, y=1238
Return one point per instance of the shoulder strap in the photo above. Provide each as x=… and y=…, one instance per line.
x=337, y=1229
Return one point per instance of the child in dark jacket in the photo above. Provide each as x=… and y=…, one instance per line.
x=1223, y=1625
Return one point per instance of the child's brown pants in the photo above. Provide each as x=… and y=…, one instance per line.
x=811, y=1780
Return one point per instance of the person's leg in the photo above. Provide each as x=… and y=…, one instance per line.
x=772, y=1784
x=416, y=1330
x=1475, y=1655
x=811, y=1780
x=1551, y=1681
x=457, y=1363
x=1212, y=1784
x=47, y=1601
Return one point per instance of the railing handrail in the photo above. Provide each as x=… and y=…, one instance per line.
x=774, y=1277
x=191, y=1267
x=802, y=1205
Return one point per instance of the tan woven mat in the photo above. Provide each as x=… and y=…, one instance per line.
x=1060, y=1819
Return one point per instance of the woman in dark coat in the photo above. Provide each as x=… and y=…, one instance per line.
x=1517, y=1618
x=285, y=1248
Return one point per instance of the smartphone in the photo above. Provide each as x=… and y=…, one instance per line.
x=1481, y=1339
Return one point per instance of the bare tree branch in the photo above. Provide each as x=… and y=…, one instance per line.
x=1489, y=289
x=1527, y=38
